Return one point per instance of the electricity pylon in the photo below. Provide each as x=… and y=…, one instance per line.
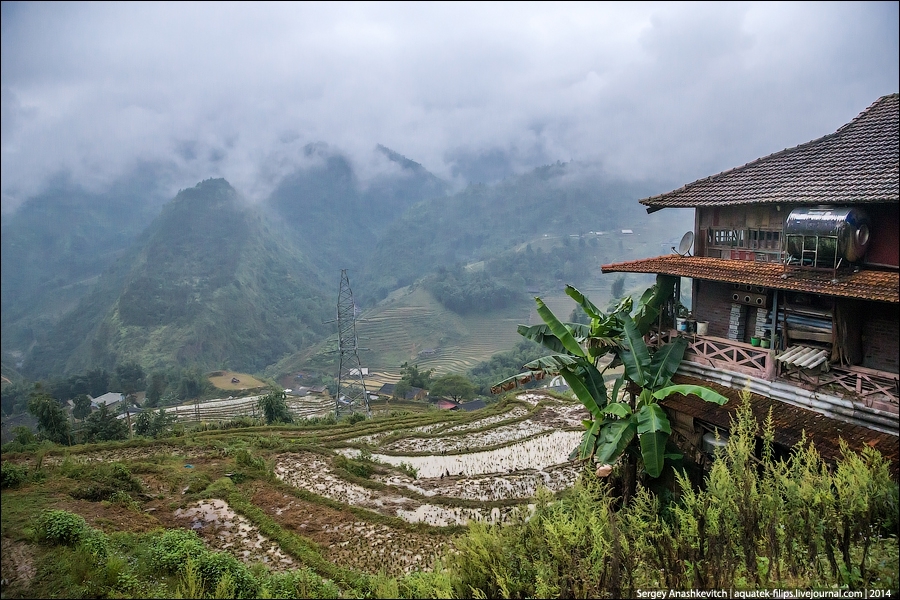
x=351, y=388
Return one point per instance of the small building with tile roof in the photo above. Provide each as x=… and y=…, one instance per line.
x=413, y=393
x=771, y=312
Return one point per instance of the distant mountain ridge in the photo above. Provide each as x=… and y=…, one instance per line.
x=208, y=279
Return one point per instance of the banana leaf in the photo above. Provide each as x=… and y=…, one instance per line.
x=614, y=438
x=653, y=451
x=543, y=336
x=589, y=441
x=651, y=418
x=585, y=389
x=579, y=330
x=517, y=380
x=636, y=356
x=618, y=409
x=665, y=362
x=562, y=333
x=586, y=305
x=593, y=380
x=705, y=393
x=552, y=364
x=645, y=317
x=617, y=385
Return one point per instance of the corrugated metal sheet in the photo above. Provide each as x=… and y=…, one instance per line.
x=803, y=356
x=789, y=421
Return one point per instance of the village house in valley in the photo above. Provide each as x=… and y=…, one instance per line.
x=794, y=287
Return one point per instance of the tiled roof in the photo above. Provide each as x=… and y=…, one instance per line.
x=865, y=285
x=859, y=163
x=790, y=422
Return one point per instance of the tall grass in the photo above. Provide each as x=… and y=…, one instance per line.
x=757, y=523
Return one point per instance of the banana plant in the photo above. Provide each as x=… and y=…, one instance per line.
x=615, y=426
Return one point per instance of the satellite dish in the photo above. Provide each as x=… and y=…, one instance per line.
x=684, y=247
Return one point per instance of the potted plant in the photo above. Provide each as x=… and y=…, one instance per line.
x=681, y=315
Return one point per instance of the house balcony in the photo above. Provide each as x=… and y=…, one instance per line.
x=856, y=394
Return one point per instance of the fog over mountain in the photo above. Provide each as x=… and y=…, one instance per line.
x=474, y=92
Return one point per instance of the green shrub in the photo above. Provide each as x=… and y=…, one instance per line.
x=96, y=543
x=244, y=458
x=213, y=566
x=423, y=584
x=410, y=470
x=360, y=468
x=60, y=527
x=353, y=418
x=240, y=423
x=302, y=583
x=169, y=554
x=123, y=499
x=220, y=488
x=197, y=482
x=102, y=480
x=271, y=442
x=12, y=474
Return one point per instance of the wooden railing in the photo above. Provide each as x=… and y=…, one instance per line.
x=726, y=354
x=874, y=389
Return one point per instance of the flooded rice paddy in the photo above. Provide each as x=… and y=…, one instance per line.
x=500, y=460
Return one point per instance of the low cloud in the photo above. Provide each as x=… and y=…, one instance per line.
x=665, y=91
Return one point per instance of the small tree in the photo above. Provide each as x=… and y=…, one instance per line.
x=82, y=406
x=51, y=418
x=155, y=390
x=454, y=386
x=274, y=408
x=401, y=388
x=102, y=425
x=414, y=377
x=153, y=424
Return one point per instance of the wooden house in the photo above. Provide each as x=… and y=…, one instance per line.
x=794, y=286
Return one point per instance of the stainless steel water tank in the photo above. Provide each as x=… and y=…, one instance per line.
x=842, y=231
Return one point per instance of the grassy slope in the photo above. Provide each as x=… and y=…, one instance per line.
x=410, y=320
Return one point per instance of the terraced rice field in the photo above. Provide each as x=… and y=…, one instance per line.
x=500, y=457
x=229, y=408
x=414, y=327
x=429, y=475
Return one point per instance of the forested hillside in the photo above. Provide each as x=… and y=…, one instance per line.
x=482, y=221
x=215, y=282
x=210, y=284
x=57, y=244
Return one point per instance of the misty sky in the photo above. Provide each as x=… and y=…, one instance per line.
x=670, y=92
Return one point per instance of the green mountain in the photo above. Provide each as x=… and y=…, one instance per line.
x=211, y=283
x=483, y=221
x=334, y=217
x=214, y=282
x=57, y=244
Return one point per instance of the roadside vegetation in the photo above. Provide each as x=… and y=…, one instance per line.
x=87, y=529
x=434, y=504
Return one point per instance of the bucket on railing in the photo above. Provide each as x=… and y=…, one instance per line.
x=702, y=327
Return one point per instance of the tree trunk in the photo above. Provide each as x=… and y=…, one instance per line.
x=630, y=462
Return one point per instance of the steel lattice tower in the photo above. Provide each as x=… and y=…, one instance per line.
x=351, y=389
